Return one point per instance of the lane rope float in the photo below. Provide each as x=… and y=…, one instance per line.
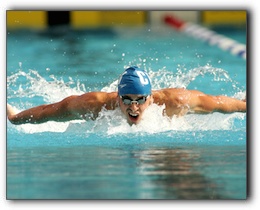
x=206, y=35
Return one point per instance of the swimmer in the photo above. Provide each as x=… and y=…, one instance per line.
x=134, y=95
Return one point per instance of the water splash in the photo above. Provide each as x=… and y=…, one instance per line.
x=22, y=85
x=163, y=78
x=32, y=84
x=113, y=122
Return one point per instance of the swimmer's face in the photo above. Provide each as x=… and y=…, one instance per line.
x=133, y=106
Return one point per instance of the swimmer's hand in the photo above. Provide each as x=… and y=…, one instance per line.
x=10, y=111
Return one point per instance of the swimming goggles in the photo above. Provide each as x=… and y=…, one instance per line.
x=128, y=101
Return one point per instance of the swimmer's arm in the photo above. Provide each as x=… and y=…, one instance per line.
x=202, y=103
x=70, y=108
x=50, y=112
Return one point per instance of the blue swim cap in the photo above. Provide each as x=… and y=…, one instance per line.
x=134, y=81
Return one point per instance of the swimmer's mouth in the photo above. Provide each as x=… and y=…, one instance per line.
x=133, y=116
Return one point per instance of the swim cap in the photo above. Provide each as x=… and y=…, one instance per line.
x=134, y=81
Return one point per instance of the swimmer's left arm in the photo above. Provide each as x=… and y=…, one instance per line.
x=202, y=103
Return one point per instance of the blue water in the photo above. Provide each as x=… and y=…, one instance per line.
x=193, y=157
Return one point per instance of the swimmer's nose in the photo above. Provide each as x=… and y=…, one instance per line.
x=134, y=106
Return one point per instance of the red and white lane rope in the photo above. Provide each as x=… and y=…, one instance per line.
x=206, y=35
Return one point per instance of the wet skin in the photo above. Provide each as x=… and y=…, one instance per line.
x=134, y=111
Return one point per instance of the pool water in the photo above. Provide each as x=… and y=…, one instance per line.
x=193, y=157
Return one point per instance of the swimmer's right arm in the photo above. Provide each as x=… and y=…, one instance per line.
x=51, y=112
x=71, y=108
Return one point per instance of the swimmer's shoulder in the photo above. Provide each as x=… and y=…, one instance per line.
x=166, y=92
x=107, y=99
x=170, y=95
x=99, y=95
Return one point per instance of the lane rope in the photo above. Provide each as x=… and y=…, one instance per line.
x=206, y=35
